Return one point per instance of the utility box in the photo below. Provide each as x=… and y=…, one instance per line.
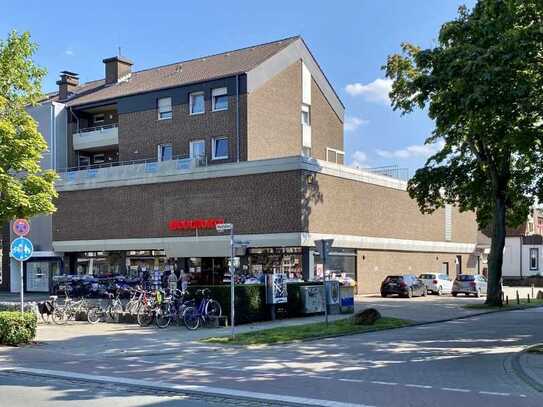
x=276, y=288
x=346, y=299
x=312, y=299
x=333, y=296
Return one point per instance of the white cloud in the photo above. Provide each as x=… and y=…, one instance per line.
x=359, y=159
x=352, y=123
x=376, y=91
x=415, y=150
x=69, y=52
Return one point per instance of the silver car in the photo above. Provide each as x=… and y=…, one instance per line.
x=437, y=283
x=469, y=284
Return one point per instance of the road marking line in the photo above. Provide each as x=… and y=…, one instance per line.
x=352, y=380
x=385, y=383
x=322, y=377
x=455, y=389
x=186, y=388
x=494, y=393
x=418, y=386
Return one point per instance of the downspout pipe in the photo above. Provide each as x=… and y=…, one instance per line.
x=237, y=119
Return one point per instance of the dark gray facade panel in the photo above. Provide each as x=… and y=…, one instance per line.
x=179, y=95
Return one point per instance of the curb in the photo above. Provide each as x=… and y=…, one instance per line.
x=522, y=373
x=194, y=390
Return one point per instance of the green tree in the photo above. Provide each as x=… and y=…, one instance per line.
x=25, y=189
x=482, y=84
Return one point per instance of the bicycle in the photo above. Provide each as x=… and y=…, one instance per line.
x=172, y=309
x=207, y=308
x=62, y=314
x=148, y=306
x=112, y=310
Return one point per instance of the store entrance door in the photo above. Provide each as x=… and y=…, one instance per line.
x=37, y=276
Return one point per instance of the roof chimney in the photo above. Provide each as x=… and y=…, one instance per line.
x=67, y=84
x=117, y=69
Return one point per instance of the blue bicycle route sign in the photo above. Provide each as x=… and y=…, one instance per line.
x=21, y=249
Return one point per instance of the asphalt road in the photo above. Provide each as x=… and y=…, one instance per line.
x=21, y=390
x=465, y=362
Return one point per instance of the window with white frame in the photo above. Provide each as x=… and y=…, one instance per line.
x=306, y=115
x=165, y=152
x=196, y=103
x=220, y=148
x=164, y=108
x=335, y=156
x=219, y=99
x=98, y=118
x=534, y=258
x=197, y=149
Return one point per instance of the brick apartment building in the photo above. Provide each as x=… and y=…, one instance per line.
x=151, y=160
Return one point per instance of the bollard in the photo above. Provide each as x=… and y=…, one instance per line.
x=528, y=297
x=533, y=291
x=518, y=298
x=507, y=300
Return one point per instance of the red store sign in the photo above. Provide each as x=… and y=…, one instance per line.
x=192, y=224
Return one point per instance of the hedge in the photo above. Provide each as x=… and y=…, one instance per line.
x=251, y=301
x=17, y=328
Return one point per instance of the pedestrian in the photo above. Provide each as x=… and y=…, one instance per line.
x=172, y=281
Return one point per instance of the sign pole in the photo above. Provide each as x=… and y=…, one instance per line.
x=21, y=289
x=232, y=290
x=325, y=289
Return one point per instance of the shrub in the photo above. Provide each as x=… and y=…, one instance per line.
x=367, y=317
x=17, y=328
x=250, y=301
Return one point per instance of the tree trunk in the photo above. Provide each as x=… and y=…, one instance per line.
x=495, y=259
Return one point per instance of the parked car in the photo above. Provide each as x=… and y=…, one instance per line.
x=404, y=286
x=469, y=284
x=437, y=283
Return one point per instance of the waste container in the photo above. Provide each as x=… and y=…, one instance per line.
x=312, y=299
x=333, y=296
x=346, y=299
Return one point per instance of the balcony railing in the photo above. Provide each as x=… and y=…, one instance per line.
x=99, y=136
x=130, y=169
x=99, y=128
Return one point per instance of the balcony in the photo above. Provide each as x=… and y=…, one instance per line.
x=129, y=170
x=95, y=137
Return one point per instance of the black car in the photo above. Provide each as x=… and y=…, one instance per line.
x=404, y=286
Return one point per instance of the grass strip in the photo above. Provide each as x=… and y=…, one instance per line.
x=512, y=305
x=307, y=331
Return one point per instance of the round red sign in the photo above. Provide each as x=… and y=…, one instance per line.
x=21, y=227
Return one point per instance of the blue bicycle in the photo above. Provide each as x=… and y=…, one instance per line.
x=206, y=309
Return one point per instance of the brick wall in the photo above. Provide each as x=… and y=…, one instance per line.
x=326, y=127
x=141, y=132
x=274, y=126
x=341, y=206
x=263, y=203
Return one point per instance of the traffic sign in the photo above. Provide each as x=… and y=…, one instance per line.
x=21, y=227
x=21, y=249
x=323, y=247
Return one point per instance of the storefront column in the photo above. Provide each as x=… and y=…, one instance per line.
x=308, y=263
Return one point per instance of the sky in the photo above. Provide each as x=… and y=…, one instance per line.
x=350, y=39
